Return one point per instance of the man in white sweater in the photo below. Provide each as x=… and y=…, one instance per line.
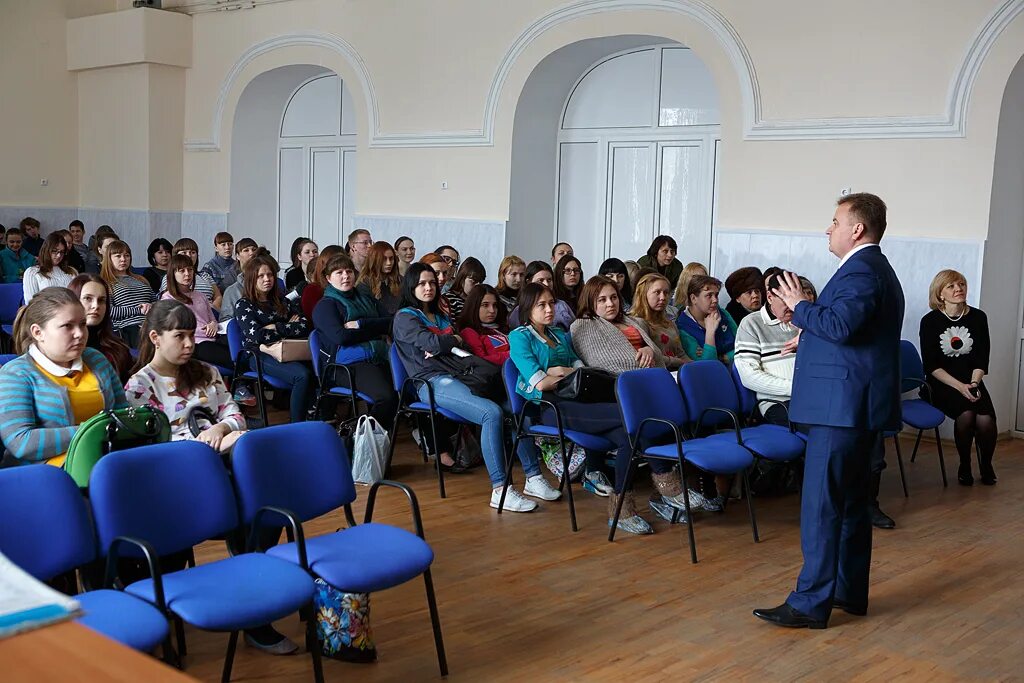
x=765, y=358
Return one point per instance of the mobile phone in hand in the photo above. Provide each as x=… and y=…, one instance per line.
x=975, y=391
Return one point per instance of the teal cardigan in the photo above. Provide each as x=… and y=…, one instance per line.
x=532, y=357
x=37, y=422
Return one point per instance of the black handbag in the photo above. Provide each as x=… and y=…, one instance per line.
x=587, y=385
x=482, y=377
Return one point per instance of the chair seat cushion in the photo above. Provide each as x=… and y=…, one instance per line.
x=363, y=559
x=344, y=391
x=587, y=441
x=124, y=618
x=235, y=593
x=773, y=442
x=920, y=414
x=425, y=408
x=711, y=455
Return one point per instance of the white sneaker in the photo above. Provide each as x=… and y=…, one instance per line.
x=514, y=501
x=597, y=483
x=538, y=487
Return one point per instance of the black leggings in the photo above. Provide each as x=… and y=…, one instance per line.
x=970, y=428
x=214, y=353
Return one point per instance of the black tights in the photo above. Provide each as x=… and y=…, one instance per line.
x=970, y=428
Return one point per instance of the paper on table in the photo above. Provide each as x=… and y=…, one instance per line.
x=27, y=603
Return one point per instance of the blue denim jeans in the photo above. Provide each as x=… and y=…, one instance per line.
x=453, y=395
x=299, y=375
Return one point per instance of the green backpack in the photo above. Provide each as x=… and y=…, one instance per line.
x=113, y=430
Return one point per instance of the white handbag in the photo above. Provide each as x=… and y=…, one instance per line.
x=370, y=446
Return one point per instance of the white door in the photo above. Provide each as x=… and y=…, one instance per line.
x=631, y=183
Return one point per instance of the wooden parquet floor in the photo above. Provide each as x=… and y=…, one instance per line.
x=522, y=598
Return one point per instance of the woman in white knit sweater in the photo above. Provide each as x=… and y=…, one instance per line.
x=52, y=270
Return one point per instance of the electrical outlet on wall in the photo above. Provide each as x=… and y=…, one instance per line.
x=444, y=184
x=44, y=182
x=845, y=191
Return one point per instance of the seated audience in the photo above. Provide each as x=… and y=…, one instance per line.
x=130, y=294
x=423, y=335
x=441, y=269
x=615, y=270
x=15, y=260
x=706, y=330
x=746, y=292
x=30, y=230
x=56, y=383
x=406, y=250
x=540, y=272
x=450, y=255
x=353, y=329
x=71, y=257
x=661, y=256
x=511, y=272
x=314, y=291
x=955, y=349
x=765, y=357
x=97, y=245
x=379, y=278
x=245, y=249
x=77, y=230
x=94, y=294
x=558, y=251
x=483, y=325
x=223, y=268
x=52, y=270
x=265, y=316
x=471, y=273
x=204, y=282
x=808, y=288
x=304, y=251
x=649, y=306
x=159, y=255
x=181, y=288
x=358, y=247
x=679, y=300
x=170, y=379
x=605, y=337
x=568, y=280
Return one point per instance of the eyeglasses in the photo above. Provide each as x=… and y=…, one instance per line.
x=57, y=252
x=572, y=271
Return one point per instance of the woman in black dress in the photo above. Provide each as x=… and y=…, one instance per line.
x=955, y=350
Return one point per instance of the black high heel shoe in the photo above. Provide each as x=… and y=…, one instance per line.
x=988, y=475
x=964, y=476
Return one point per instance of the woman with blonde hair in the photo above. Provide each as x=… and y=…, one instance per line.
x=511, y=274
x=650, y=301
x=379, y=278
x=130, y=295
x=680, y=298
x=955, y=351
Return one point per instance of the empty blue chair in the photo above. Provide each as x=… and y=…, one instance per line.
x=409, y=404
x=244, y=373
x=918, y=412
x=11, y=295
x=654, y=411
x=153, y=501
x=326, y=369
x=712, y=399
x=47, y=532
x=309, y=482
x=510, y=376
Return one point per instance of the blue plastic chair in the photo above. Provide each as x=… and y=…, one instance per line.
x=409, y=404
x=242, y=372
x=326, y=369
x=653, y=410
x=153, y=501
x=917, y=412
x=510, y=376
x=11, y=297
x=305, y=484
x=6, y=358
x=47, y=532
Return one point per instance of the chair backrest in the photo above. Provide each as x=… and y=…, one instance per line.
x=45, y=529
x=234, y=339
x=173, y=495
x=308, y=481
x=398, y=372
x=911, y=367
x=11, y=294
x=748, y=399
x=6, y=358
x=649, y=393
x=314, y=351
x=510, y=377
x=707, y=384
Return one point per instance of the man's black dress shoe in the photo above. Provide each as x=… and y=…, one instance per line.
x=848, y=608
x=784, y=615
x=880, y=520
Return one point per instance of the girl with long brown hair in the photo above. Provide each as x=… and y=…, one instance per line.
x=94, y=295
x=130, y=294
x=181, y=288
x=379, y=277
x=53, y=269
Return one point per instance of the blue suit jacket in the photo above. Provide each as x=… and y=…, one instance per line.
x=848, y=361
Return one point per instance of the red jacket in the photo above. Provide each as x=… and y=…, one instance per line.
x=491, y=347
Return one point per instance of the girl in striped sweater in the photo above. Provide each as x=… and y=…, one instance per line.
x=130, y=295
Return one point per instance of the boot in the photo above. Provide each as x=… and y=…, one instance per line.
x=630, y=520
x=988, y=475
x=670, y=486
x=879, y=519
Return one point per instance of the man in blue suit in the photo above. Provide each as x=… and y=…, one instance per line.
x=846, y=388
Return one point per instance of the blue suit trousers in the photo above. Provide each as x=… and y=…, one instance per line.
x=835, y=521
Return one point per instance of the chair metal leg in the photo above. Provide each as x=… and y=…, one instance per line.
x=942, y=460
x=229, y=657
x=170, y=657
x=437, y=456
x=899, y=461
x=622, y=498
x=179, y=633
x=312, y=643
x=917, y=442
x=566, y=485
x=394, y=440
x=689, y=514
x=262, y=404
x=508, y=473
x=750, y=504
x=435, y=622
